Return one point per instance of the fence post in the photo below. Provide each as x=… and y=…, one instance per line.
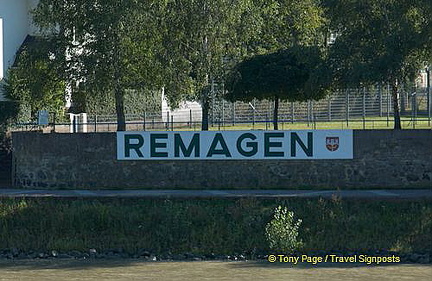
x=414, y=108
x=95, y=123
x=167, y=121
x=270, y=110
x=428, y=93
x=233, y=113
x=388, y=105
x=54, y=122
x=364, y=108
x=313, y=115
x=266, y=121
x=292, y=112
x=329, y=109
x=190, y=118
x=253, y=114
x=172, y=122
x=145, y=120
x=380, y=100
x=213, y=105
x=347, y=107
x=223, y=112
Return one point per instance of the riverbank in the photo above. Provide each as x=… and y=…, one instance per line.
x=195, y=229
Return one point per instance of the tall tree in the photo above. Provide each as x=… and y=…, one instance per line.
x=295, y=74
x=205, y=38
x=105, y=45
x=379, y=41
x=288, y=23
x=198, y=36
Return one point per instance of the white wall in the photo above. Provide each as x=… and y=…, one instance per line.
x=183, y=113
x=15, y=15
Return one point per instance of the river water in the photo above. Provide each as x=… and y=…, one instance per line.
x=64, y=270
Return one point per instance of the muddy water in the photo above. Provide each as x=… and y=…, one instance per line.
x=64, y=270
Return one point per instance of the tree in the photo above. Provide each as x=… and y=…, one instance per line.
x=205, y=38
x=105, y=45
x=295, y=74
x=288, y=23
x=8, y=112
x=198, y=35
x=379, y=41
x=34, y=82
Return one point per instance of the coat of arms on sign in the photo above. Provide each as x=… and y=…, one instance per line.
x=332, y=143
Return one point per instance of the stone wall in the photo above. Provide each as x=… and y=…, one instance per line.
x=382, y=159
x=5, y=160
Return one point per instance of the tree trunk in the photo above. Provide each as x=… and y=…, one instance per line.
x=205, y=113
x=275, y=113
x=118, y=89
x=119, y=102
x=396, y=113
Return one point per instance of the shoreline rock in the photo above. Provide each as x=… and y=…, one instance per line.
x=93, y=254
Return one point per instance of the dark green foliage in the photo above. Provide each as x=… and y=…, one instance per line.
x=294, y=74
x=35, y=81
x=379, y=41
x=106, y=46
x=135, y=102
x=287, y=23
x=8, y=112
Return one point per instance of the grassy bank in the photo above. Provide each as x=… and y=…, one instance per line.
x=206, y=226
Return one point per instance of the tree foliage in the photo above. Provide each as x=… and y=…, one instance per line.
x=205, y=38
x=114, y=46
x=119, y=46
x=9, y=111
x=34, y=81
x=379, y=41
x=295, y=74
x=198, y=38
x=106, y=45
x=288, y=23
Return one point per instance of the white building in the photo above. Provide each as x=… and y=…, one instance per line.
x=15, y=24
x=188, y=111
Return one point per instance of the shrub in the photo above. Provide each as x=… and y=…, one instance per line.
x=282, y=231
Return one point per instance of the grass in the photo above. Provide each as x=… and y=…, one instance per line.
x=353, y=123
x=206, y=226
x=367, y=123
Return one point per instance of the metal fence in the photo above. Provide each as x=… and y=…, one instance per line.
x=359, y=108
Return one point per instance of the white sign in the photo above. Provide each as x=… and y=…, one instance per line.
x=235, y=145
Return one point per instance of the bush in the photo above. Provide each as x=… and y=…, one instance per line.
x=282, y=231
x=8, y=113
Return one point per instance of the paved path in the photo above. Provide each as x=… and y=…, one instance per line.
x=347, y=194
